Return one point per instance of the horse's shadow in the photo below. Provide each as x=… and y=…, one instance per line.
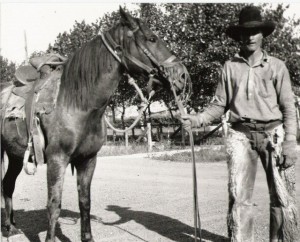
x=168, y=227
x=33, y=222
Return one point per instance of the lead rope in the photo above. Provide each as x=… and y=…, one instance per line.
x=197, y=222
x=145, y=103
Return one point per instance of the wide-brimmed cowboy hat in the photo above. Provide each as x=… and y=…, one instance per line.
x=250, y=18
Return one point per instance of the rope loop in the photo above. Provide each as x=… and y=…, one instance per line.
x=131, y=81
x=144, y=105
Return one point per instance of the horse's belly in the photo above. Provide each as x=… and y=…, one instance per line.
x=14, y=138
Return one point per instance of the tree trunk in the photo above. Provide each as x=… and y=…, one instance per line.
x=123, y=115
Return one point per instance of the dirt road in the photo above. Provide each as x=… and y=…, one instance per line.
x=138, y=199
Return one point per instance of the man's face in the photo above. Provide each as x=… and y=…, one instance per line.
x=251, y=39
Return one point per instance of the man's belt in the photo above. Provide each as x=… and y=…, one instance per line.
x=253, y=121
x=255, y=125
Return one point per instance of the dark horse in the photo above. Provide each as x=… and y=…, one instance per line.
x=75, y=131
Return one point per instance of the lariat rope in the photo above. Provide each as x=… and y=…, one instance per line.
x=131, y=81
x=197, y=221
x=145, y=103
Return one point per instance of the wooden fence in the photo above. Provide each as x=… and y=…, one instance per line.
x=172, y=133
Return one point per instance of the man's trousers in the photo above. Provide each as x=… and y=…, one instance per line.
x=245, y=145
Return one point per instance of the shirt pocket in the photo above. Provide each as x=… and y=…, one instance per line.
x=266, y=88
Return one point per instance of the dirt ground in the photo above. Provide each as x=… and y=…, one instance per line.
x=138, y=199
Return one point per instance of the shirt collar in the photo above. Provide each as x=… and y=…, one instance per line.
x=265, y=58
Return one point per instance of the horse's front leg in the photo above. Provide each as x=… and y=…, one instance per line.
x=85, y=171
x=8, y=185
x=56, y=167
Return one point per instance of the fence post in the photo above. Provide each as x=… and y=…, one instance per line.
x=149, y=138
x=168, y=138
x=182, y=136
x=114, y=137
x=126, y=139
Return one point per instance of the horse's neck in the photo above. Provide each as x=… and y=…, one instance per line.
x=91, y=86
x=107, y=85
x=110, y=77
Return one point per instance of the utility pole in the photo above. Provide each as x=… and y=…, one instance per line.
x=26, y=51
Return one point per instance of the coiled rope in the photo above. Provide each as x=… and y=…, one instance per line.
x=145, y=103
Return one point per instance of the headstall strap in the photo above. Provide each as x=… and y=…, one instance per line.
x=113, y=52
x=113, y=44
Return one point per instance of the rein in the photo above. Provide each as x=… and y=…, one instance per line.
x=197, y=221
x=145, y=103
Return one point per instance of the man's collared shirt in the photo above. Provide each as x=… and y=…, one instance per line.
x=260, y=92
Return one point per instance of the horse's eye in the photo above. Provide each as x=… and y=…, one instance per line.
x=152, y=38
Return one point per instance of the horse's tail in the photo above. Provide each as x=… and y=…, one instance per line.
x=4, y=160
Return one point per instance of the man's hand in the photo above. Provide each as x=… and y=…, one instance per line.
x=191, y=121
x=289, y=153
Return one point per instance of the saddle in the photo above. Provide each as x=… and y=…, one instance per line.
x=41, y=66
x=34, y=93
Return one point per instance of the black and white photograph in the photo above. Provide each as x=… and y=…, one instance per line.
x=151, y=121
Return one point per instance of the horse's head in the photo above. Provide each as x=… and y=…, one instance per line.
x=145, y=55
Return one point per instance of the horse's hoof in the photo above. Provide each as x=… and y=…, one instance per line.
x=13, y=231
x=87, y=238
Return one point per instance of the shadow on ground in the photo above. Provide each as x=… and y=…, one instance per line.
x=33, y=222
x=167, y=227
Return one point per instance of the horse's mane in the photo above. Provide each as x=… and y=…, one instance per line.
x=81, y=72
x=83, y=69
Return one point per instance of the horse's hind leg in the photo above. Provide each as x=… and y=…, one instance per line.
x=85, y=171
x=56, y=167
x=8, y=184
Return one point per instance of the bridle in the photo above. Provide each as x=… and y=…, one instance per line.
x=158, y=69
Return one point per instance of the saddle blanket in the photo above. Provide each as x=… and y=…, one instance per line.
x=13, y=97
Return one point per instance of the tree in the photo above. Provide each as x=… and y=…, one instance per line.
x=283, y=44
x=7, y=70
x=196, y=34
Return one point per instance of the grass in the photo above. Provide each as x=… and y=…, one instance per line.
x=204, y=155
x=208, y=154
x=120, y=149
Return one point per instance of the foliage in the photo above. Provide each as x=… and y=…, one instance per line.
x=196, y=34
x=7, y=70
x=283, y=45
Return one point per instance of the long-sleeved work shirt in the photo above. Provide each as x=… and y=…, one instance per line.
x=260, y=92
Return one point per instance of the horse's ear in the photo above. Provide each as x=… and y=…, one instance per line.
x=127, y=19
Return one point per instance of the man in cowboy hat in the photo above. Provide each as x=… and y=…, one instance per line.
x=256, y=88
